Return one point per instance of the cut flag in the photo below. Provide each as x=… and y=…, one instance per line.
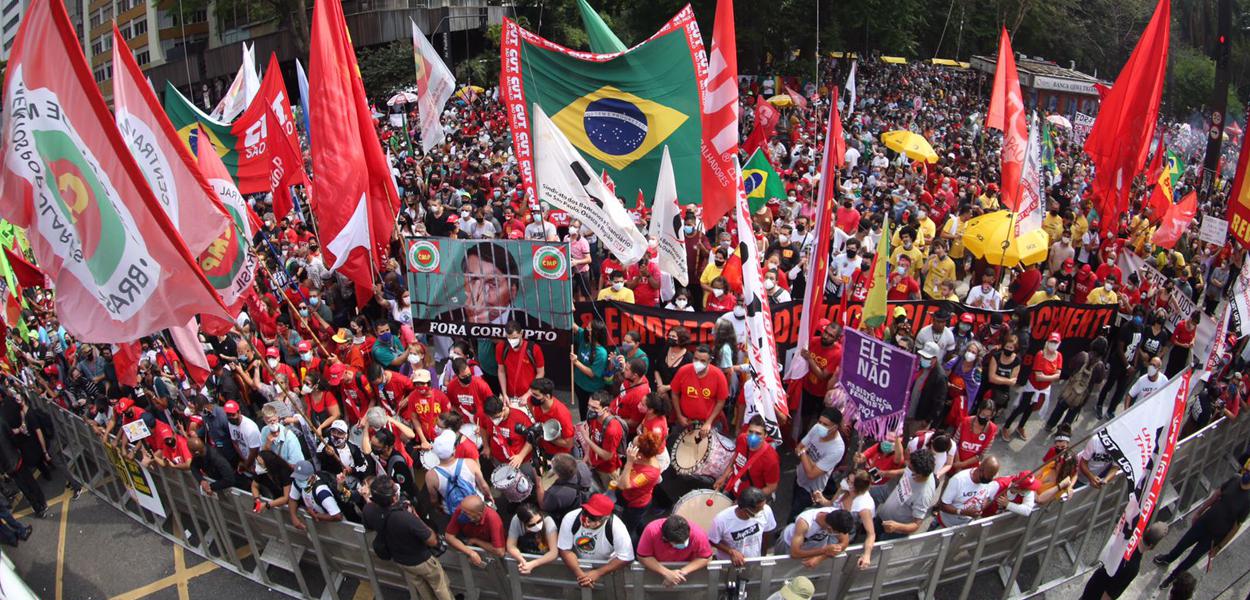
x=666, y=225
x=851, y=90
x=720, y=119
x=120, y=269
x=187, y=340
x=602, y=40
x=434, y=86
x=1031, y=210
x=1120, y=138
x=277, y=131
x=166, y=162
x=1006, y=114
x=875, y=303
x=354, y=198
x=1165, y=179
x=1176, y=222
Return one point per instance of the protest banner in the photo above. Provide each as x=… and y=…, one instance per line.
x=1081, y=126
x=1214, y=230
x=1179, y=305
x=877, y=377
x=137, y=480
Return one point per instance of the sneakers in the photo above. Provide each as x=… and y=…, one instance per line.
x=42, y=514
x=1159, y=560
x=25, y=533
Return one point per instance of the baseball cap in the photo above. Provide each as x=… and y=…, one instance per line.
x=303, y=471
x=334, y=375
x=598, y=505
x=421, y=376
x=1067, y=263
x=124, y=405
x=899, y=312
x=1026, y=480
x=1055, y=337
x=305, y=346
x=213, y=361
x=341, y=336
x=823, y=323
x=799, y=588
x=930, y=350
x=967, y=318
x=231, y=407
x=272, y=352
x=445, y=445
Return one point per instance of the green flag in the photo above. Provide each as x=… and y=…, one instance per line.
x=761, y=182
x=875, y=304
x=618, y=112
x=602, y=40
x=238, y=144
x=1048, y=151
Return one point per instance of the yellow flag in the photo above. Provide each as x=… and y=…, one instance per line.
x=874, y=304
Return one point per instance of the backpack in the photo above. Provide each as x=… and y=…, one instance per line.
x=527, y=347
x=457, y=488
x=624, y=443
x=610, y=531
x=581, y=495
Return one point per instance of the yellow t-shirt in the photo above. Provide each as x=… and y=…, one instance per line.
x=1079, y=226
x=924, y=234
x=625, y=295
x=1100, y=295
x=955, y=225
x=1053, y=226
x=916, y=256
x=939, y=271
x=1041, y=296
x=710, y=273
x=987, y=202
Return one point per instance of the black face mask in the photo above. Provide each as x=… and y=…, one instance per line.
x=465, y=380
x=983, y=420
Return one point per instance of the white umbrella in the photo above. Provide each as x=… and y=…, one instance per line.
x=402, y=98
x=1060, y=120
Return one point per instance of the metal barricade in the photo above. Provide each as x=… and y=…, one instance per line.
x=1015, y=556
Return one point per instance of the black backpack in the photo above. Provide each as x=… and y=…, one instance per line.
x=611, y=535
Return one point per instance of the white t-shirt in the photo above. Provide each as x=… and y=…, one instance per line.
x=939, y=460
x=962, y=493
x=909, y=500
x=745, y=536
x=979, y=298
x=1096, y=457
x=245, y=435
x=816, y=536
x=1144, y=387
x=861, y=503
x=516, y=530
x=593, y=544
x=852, y=157
x=945, y=341
x=327, y=506
x=826, y=455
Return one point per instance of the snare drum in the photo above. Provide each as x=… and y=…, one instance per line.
x=708, y=457
x=429, y=460
x=510, y=482
x=701, y=506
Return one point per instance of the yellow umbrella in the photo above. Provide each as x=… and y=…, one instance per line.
x=985, y=235
x=912, y=144
x=781, y=100
x=476, y=89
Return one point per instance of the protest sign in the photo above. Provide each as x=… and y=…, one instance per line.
x=1214, y=230
x=137, y=480
x=1179, y=305
x=877, y=378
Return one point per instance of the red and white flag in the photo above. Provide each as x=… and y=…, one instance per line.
x=1031, y=209
x=1006, y=114
x=720, y=119
x=229, y=263
x=120, y=268
x=434, y=87
x=354, y=197
x=272, y=121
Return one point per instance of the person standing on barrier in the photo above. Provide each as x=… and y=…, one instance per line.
x=674, y=540
x=819, y=453
x=1215, y=524
x=594, y=533
x=403, y=538
x=1102, y=586
x=474, y=523
x=741, y=531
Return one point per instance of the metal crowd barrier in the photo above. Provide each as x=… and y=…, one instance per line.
x=1014, y=556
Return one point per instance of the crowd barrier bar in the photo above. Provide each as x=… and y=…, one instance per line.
x=1024, y=555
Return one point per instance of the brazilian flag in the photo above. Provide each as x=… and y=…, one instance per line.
x=619, y=111
x=761, y=181
x=1170, y=174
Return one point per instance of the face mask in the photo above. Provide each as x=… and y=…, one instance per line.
x=900, y=269
x=682, y=545
x=887, y=447
x=306, y=356
x=740, y=311
x=680, y=303
x=1137, y=320
x=466, y=380
x=273, y=363
x=313, y=301
x=536, y=401
x=534, y=528
x=688, y=229
x=276, y=427
x=306, y=389
x=925, y=362
x=699, y=367
x=405, y=300
x=964, y=327
x=592, y=414
x=718, y=292
x=1108, y=286
x=754, y=440
x=414, y=359
x=769, y=284
x=464, y=519
x=970, y=356
x=360, y=339
x=1152, y=370
x=515, y=343
x=618, y=286
x=907, y=245
x=820, y=431
x=303, y=313
x=982, y=420
x=338, y=442
x=1052, y=346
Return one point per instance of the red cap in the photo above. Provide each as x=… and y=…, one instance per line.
x=515, y=235
x=272, y=352
x=334, y=375
x=305, y=346
x=1067, y=263
x=1026, y=481
x=197, y=419
x=1055, y=337
x=822, y=324
x=453, y=219
x=1086, y=268
x=124, y=405
x=967, y=318
x=598, y=505
x=231, y=407
x=213, y=361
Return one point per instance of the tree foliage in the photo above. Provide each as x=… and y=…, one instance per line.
x=386, y=69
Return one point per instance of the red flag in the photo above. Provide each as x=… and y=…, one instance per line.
x=126, y=363
x=187, y=340
x=766, y=118
x=27, y=275
x=836, y=149
x=1006, y=114
x=1121, y=135
x=1176, y=222
x=796, y=98
x=354, y=197
x=720, y=119
x=286, y=162
x=120, y=268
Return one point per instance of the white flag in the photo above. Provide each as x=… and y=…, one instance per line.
x=568, y=183
x=666, y=224
x=850, y=91
x=764, y=393
x=244, y=87
x=1216, y=354
x=1032, y=209
x=1141, y=443
x=434, y=86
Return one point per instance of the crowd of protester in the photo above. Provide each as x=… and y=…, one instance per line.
x=350, y=415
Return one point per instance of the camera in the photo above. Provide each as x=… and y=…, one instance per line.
x=534, y=432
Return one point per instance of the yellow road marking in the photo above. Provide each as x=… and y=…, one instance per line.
x=179, y=579
x=28, y=511
x=60, y=545
x=364, y=591
x=180, y=566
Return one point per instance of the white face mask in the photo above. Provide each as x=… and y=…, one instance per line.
x=1152, y=370
x=306, y=389
x=1052, y=346
x=306, y=356
x=970, y=356
x=740, y=311
x=769, y=284
x=718, y=292
x=618, y=286
x=700, y=367
x=358, y=339
x=273, y=363
x=276, y=427
x=515, y=343
x=534, y=528
x=414, y=359
x=680, y=303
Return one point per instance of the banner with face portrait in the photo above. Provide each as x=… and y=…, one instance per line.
x=474, y=288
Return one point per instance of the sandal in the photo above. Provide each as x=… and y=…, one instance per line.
x=1020, y=434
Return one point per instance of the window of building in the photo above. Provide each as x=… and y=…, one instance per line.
x=124, y=29
x=143, y=58
x=139, y=27
x=104, y=72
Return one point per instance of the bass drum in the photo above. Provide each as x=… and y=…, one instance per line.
x=701, y=506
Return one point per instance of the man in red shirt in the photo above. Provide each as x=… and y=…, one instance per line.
x=467, y=391
x=520, y=363
x=392, y=387
x=644, y=278
x=475, y=524
x=902, y=285
x=546, y=407
x=699, y=391
x=628, y=404
x=824, y=357
x=308, y=361
x=755, y=463
x=606, y=435
x=848, y=218
x=275, y=364
x=349, y=386
x=505, y=444
x=423, y=406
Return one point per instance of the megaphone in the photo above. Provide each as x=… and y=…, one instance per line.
x=551, y=430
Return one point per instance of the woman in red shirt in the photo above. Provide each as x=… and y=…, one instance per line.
x=637, y=480
x=323, y=407
x=724, y=302
x=1047, y=366
x=1182, y=344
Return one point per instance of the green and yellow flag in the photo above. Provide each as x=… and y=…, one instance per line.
x=618, y=111
x=602, y=40
x=761, y=182
x=874, y=305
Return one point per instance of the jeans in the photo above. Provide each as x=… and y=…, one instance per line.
x=10, y=528
x=1062, y=412
x=1024, y=409
x=1201, y=542
x=25, y=481
x=426, y=581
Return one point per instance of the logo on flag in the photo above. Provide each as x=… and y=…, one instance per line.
x=549, y=263
x=423, y=256
x=755, y=181
x=617, y=127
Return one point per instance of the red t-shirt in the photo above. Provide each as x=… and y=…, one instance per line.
x=424, y=409
x=642, y=483
x=1106, y=269
x=1042, y=366
x=489, y=530
x=467, y=449
x=697, y=396
x=561, y=414
x=1081, y=286
x=468, y=399
x=969, y=444
x=629, y=403
x=395, y=389
x=657, y=425
x=610, y=440
x=829, y=358
x=1185, y=333
x=904, y=289
x=504, y=441
x=320, y=405
x=644, y=294
x=848, y=220
x=725, y=303
x=882, y=462
x=519, y=368
x=763, y=471
x=354, y=390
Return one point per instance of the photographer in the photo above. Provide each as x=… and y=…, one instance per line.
x=404, y=539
